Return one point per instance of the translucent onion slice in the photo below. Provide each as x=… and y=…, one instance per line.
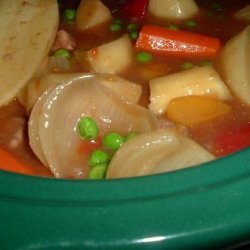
x=56, y=114
x=127, y=90
x=156, y=152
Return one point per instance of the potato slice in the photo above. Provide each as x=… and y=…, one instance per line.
x=91, y=13
x=173, y=9
x=28, y=29
x=112, y=57
x=235, y=65
x=197, y=81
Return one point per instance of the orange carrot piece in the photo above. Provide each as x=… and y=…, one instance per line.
x=164, y=41
x=192, y=110
x=8, y=162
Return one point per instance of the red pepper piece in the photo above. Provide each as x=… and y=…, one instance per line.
x=136, y=9
x=232, y=140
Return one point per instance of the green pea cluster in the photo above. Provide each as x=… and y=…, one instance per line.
x=99, y=159
x=118, y=25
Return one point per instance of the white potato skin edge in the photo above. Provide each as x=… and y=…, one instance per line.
x=28, y=29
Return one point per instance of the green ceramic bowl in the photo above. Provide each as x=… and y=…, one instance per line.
x=198, y=208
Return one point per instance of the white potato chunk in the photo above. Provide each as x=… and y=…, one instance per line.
x=235, y=65
x=173, y=9
x=197, y=81
x=28, y=29
x=126, y=90
x=91, y=13
x=244, y=14
x=158, y=151
x=112, y=57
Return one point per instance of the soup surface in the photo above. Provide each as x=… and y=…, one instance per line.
x=176, y=83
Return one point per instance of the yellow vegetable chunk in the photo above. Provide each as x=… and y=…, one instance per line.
x=91, y=13
x=192, y=110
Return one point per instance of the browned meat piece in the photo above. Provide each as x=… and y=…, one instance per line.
x=63, y=40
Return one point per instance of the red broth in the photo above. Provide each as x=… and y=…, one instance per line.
x=216, y=19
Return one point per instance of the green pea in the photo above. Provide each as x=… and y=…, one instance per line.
x=98, y=157
x=217, y=6
x=87, y=128
x=62, y=53
x=130, y=136
x=115, y=27
x=132, y=26
x=210, y=13
x=133, y=35
x=144, y=57
x=113, y=141
x=206, y=63
x=187, y=65
x=173, y=27
x=190, y=24
x=69, y=15
x=117, y=21
x=98, y=172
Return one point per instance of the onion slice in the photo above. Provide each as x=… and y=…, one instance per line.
x=54, y=118
x=158, y=151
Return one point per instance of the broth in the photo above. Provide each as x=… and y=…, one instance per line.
x=214, y=20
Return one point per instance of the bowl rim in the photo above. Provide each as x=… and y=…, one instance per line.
x=199, y=206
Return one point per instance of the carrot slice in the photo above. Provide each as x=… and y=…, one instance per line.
x=192, y=110
x=163, y=41
x=10, y=163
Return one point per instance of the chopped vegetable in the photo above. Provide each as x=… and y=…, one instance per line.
x=190, y=24
x=133, y=35
x=164, y=41
x=232, y=139
x=88, y=128
x=98, y=172
x=244, y=14
x=69, y=15
x=135, y=9
x=112, y=57
x=144, y=57
x=158, y=151
x=196, y=81
x=9, y=163
x=173, y=9
x=28, y=30
x=91, y=13
x=113, y=141
x=192, y=110
x=115, y=27
x=86, y=147
x=173, y=27
x=98, y=157
x=235, y=65
x=132, y=26
x=187, y=65
x=62, y=53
